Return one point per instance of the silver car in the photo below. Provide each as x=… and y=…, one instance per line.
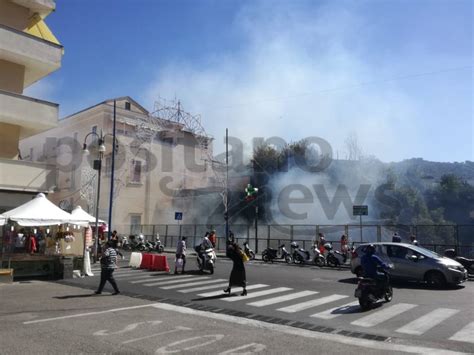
x=414, y=263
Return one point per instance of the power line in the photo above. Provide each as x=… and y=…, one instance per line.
x=358, y=85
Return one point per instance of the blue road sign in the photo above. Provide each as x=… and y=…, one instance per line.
x=178, y=216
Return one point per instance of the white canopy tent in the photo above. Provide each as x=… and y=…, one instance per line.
x=2, y=220
x=79, y=216
x=40, y=212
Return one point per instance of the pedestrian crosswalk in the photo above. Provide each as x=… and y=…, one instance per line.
x=309, y=303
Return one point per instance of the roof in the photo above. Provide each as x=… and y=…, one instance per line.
x=108, y=102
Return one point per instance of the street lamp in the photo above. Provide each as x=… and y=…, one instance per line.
x=97, y=166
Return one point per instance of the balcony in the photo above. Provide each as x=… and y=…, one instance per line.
x=42, y=7
x=40, y=57
x=32, y=115
x=22, y=175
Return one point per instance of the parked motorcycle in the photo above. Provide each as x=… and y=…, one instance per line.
x=467, y=263
x=160, y=248
x=334, y=258
x=125, y=245
x=318, y=258
x=300, y=256
x=369, y=292
x=271, y=254
x=206, y=259
x=249, y=252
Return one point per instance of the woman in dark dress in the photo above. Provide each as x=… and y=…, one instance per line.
x=237, y=275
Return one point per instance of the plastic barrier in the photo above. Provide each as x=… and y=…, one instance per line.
x=159, y=263
x=147, y=259
x=135, y=260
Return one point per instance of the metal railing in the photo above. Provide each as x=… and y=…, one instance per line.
x=433, y=237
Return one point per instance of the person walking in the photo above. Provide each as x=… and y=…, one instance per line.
x=237, y=275
x=180, y=255
x=413, y=240
x=114, y=238
x=108, y=263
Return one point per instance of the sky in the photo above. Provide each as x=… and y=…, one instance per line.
x=396, y=74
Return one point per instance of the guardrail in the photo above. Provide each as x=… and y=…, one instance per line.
x=434, y=237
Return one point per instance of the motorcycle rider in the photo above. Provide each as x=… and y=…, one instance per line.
x=205, y=244
x=370, y=262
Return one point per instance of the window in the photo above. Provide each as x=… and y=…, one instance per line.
x=397, y=252
x=127, y=105
x=73, y=176
x=76, y=143
x=136, y=171
x=108, y=166
x=135, y=224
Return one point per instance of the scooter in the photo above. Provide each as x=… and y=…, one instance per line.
x=158, y=246
x=209, y=257
x=300, y=256
x=271, y=254
x=467, y=263
x=249, y=252
x=370, y=293
x=318, y=258
x=334, y=258
x=126, y=244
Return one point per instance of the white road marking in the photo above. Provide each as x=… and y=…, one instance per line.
x=128, y=274
x=466, y=334
x=177, y=329
x=209, y=287
x=236, y=289
x=254, y=348
x=258, y=294
x=309, y=304
x=428, y=321
x=280, y=299
x=192, y=284
x=174, y=281
x=383, y=315
x=330, y=313
x=88, y=314
x=284, y=329
x=187, y=277
x=145, y=278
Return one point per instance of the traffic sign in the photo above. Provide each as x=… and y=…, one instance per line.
x=360, y=210
x=178, y=216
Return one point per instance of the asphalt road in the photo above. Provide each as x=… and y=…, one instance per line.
x=50, y=318
x=319, y=298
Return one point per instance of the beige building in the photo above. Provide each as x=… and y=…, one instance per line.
x=28, y=53
x=160, y=163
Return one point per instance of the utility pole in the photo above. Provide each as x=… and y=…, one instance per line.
x=226, y=207
x=111, y=197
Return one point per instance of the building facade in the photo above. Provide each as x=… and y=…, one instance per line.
x=28, y=53
x=161, y=164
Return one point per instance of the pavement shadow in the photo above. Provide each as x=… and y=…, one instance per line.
x=74, y=296
x=413, y=285
x=224, y=295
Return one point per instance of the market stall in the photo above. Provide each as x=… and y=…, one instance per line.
x=37, y=236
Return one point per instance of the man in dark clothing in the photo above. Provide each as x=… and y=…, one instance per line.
x=396, y=238
x=108, y=263
x=370, y=262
